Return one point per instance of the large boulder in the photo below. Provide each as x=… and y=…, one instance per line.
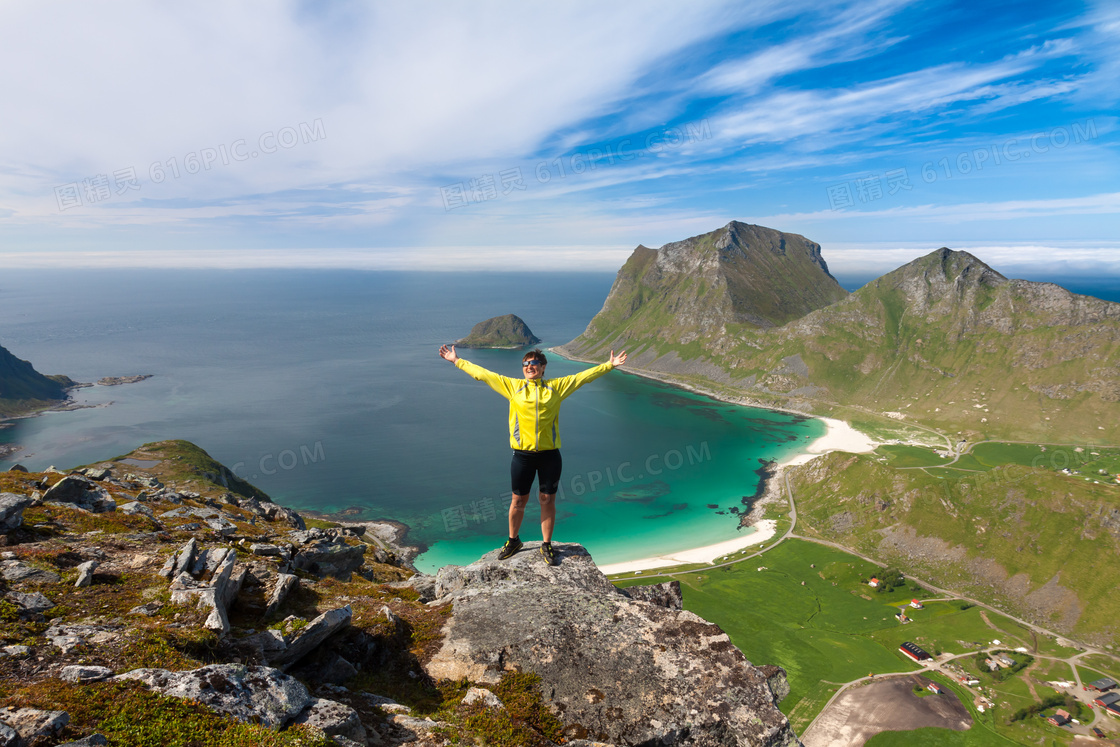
x=81, y=492
x=326, y=554
x=11, y=510
x=253, y=694
x=613, y=668
x=309, y=638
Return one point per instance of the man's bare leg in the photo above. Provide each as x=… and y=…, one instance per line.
x=548, y=515
x=517, y=513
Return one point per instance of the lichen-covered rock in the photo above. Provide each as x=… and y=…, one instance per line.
x=285, y=584
x=327, y=556
x=79, y=674
x=667, y=594
x=318, y=630
x=34, y=726
x=82, y=492
x=16, y=571
x=11, y=510
x=85, y=573
x=614, y=669
x=252, y=694
x=333, y=719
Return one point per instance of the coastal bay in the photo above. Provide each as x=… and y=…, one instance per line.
x=324, y=389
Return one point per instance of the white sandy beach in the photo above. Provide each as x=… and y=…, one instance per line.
x=839, y=436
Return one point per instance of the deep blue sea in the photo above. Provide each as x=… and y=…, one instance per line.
x=324, y=388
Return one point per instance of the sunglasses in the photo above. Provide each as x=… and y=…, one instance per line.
x=526, y=364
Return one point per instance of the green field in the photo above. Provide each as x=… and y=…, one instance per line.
x=904, y=455
x=819, y=633
x=1036, y=525
x=1107, y=664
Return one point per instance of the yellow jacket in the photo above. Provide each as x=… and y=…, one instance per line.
x=534, y=405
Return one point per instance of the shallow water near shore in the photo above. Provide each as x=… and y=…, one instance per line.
x=325, y=390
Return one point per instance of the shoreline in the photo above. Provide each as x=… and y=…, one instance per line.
x=838, y=436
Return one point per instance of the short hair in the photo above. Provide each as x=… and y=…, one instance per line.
x=535, y=354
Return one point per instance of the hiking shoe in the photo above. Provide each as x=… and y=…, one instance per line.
x=548, y=553
x=510, y=548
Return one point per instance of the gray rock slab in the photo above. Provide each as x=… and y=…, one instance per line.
x=317, y=631
x=286, y=583
x=16, y=571
x=78, y=674
x=85, y=573
x=34, y=726
x=329, y=557
x=180, y=560
x=334, y=719
x=576, y=570
x=69, y=637
x=247, y=693
x=483, y=697
x=81, y=492
x=133, y=508
x=33, y=602
x=628, y=671
x=11, y=510
x=148, y=610
x=93, y=740
x=667, y=594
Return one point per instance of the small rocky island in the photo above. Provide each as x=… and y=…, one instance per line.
x=508, y=331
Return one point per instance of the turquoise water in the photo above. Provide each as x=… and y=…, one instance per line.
x=325, y=390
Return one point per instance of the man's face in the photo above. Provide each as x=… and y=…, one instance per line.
x=533, y=368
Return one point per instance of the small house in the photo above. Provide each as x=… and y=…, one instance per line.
x=916, y=604
x=933, y=687
x=1060, y=718
x=1005, y=660
x=873, y=583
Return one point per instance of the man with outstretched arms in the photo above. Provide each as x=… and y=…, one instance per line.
x=534, y=436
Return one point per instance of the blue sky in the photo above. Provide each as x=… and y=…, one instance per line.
x=529, y=136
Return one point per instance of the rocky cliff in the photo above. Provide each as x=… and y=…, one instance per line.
x=147, y=599
x=23, y=389
x=614, y=667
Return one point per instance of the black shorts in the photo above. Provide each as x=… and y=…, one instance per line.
x=529, y=464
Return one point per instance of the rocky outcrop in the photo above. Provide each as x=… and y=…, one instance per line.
x=614, y=668
x=508, y=331
x=11, y=510
x=81, y=492
x=260, y=694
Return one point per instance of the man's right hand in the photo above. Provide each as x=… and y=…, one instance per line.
x=448, y=353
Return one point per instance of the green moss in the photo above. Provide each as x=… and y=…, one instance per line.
x=132, y=716
x=525, y=722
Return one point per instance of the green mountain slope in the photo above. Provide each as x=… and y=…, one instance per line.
x=23, y=389
x=944, y=341
x=1037, y=543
